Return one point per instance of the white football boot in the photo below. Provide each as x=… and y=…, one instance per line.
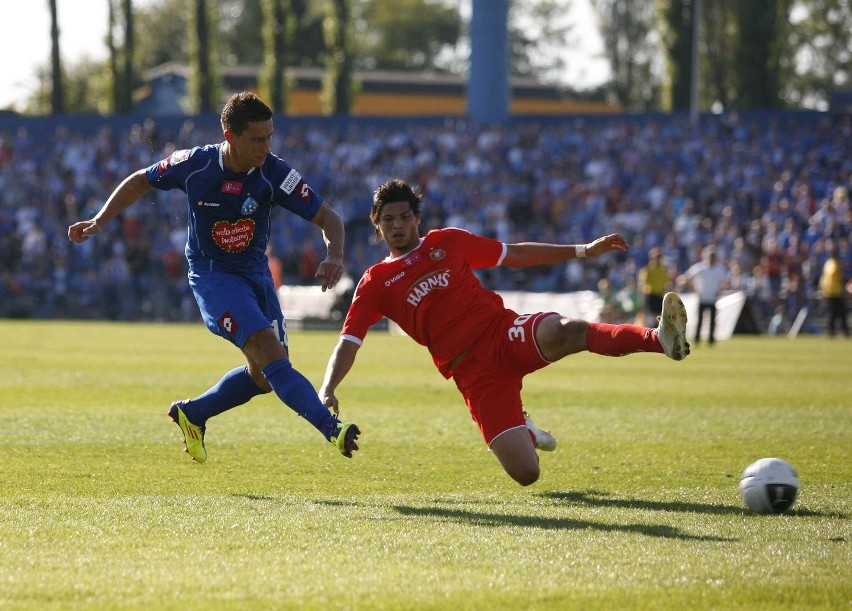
x=672, y=328
x=544, y=441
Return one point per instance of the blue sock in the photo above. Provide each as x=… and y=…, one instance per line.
x=235, y=388
x=295, y=390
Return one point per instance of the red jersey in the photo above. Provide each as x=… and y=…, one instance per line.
x=432, y=294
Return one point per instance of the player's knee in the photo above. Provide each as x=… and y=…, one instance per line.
x=573, y=335
x=526, y=475
x=258, y=378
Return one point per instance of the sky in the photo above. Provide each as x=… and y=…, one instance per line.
x=25, y=43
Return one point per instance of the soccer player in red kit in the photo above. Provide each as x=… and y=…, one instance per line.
x=428, y=288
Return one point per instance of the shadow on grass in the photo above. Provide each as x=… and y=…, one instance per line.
x=255, y=497
x=593, y=498
x=501, y=519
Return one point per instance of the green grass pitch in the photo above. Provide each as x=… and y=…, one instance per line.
x=638, y=507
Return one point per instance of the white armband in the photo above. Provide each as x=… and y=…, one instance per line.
x=580, y=251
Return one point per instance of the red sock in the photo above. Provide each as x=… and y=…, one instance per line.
x=618, y=340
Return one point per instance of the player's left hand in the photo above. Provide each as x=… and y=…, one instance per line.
x=330, y=271
x=82, y=230
x=606, y=243
x=330, y=401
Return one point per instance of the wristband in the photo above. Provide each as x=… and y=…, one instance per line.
x=580, y=251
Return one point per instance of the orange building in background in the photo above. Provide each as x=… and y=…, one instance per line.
x=379, y=93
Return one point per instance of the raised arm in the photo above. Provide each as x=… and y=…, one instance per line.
x=339, y=364
x=125, y=195
x=331, y=269
x=529, y=254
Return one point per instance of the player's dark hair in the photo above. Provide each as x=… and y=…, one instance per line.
x=244, y=108
x=393, y=190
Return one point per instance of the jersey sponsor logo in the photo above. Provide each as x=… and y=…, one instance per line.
x=232, y=187
x=424, y=286
x=173, y=159
x=394, y=279
x=209, y=204
x=228, y=324
x=293, y=179
x=180, y=156
x=436, y=254
x=249, y=206
x=412, y=259
x=233, y=237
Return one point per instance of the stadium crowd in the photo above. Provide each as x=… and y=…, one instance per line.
x=769, y=191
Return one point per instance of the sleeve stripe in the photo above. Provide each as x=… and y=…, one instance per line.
x=352, y=338
x=502, y=255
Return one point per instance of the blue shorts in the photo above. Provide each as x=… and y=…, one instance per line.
x=236, y=306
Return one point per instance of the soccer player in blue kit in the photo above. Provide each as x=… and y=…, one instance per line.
x=231, y=189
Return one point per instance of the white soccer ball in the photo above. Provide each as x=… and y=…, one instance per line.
x=769, y=485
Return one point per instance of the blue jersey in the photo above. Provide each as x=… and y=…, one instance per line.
x=229, y=212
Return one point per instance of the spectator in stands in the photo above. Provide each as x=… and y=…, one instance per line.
x=653, y=281
x=275, y=268
x=560, y=180
x=833, y=288
x=707, y=278
x=428, y=288
x=231, y=189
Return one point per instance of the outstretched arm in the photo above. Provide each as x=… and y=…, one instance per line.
x=529, y=254
x=331, y=269
x=339, y=364
x=125, y=195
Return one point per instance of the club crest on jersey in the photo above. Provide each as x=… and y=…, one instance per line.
x=436, y=254
x=426, y=284
x=249, y=206
x=233, y=237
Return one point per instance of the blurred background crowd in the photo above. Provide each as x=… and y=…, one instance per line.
x=769, y=190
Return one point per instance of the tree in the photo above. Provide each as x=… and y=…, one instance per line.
x=116, y=94
x=57, y=102
x=236, y=18
x=405, y=34
x=538, y=30
x=819, y=59
x=307, y=44
x=338, y=93
x=275, y=28
x=758, y=52
x=204, y=89
x=128, y=73
x=169, y=33
x=631, y=45
x=678, y=17
x=86, y=87
x=718, y=39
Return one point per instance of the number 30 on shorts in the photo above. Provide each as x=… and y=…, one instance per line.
x=518, y=331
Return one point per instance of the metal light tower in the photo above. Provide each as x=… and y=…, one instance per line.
x=488, y=85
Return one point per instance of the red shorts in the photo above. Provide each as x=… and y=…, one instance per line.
x=490, y=376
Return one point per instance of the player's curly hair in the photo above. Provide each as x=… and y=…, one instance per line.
x=393, y=190
x=244, y=108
